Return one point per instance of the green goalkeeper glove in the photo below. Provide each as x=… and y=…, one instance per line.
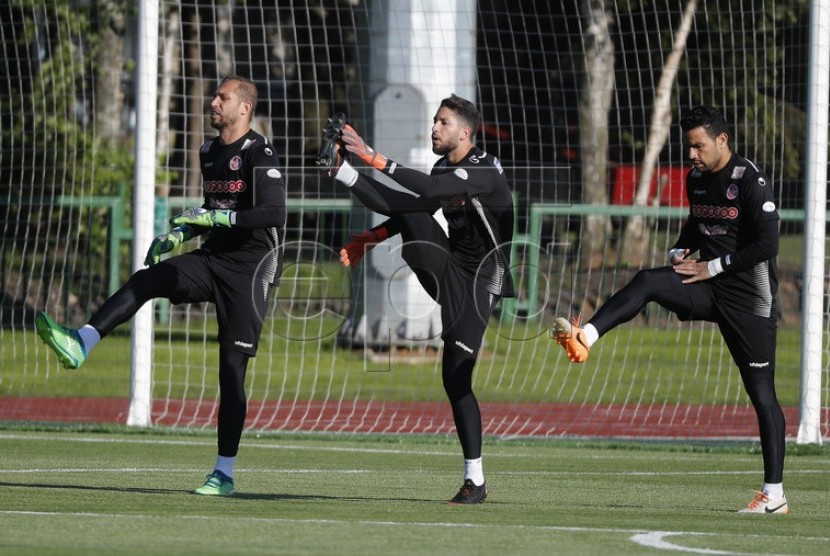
x=167, y=242
x=204, y=218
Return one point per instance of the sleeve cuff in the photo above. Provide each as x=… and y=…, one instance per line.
x=715, y=267
x=346, y=174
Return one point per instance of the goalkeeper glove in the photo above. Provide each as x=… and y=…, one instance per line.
x=204, y=218
x=167, y=242
x=355, y=144
x=361, y=244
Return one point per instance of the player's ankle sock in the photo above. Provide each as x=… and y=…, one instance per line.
x=591, y=334
x=225, y=465
x=89, y=337
x=474, y=470
x=774, y=490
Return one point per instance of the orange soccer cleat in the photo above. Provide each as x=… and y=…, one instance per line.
x=570, y=336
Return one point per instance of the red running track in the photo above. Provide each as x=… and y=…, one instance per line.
x=668, y=421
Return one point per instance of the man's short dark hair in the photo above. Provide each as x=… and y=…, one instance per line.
x=707, y=117
x=246, y=89
x=465, y=110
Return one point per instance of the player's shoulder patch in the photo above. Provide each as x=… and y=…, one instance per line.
x=497, y=164
x=488, y=159
x=750, y=172
x=207, y=145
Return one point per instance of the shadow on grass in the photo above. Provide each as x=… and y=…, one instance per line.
x=237, y=496
x=96, y=488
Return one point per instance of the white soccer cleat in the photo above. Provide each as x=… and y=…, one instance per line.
x=763, y=504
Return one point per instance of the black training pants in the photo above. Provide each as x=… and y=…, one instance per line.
x=750, y=338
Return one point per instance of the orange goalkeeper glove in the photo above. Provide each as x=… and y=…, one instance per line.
x=355, y=144
x=361, y=244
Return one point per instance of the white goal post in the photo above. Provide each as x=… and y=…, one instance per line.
x=815, y=214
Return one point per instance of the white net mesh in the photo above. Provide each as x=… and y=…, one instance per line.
x=571, y=99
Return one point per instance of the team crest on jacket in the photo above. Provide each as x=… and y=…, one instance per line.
x=461, y=173
x=235, y=163
x=456, y=202
x=732, y=191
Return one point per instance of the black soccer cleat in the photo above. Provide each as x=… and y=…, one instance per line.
x=470, y=493
x=330, y=157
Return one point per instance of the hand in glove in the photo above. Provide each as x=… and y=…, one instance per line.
x=361, y=244
x=204, y=218
x=167, y=242
x=355, y=144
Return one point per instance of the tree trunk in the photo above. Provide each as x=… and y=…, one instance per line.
x=595, y=104
x=636, y=235
x=170, y=60
x=109, y=97
x=196, y=108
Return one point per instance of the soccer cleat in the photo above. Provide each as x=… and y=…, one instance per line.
x=217, y=484
x=572, y=338
x=64, y=341
x=763, y=504
x=330, y=157
x=470, y=493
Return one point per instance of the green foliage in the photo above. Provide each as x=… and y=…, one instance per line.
x=58, y=154
x=768, y=125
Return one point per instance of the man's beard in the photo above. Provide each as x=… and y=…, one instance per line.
x=441, y=150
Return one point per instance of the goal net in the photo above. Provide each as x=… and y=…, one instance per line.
x=580, y=102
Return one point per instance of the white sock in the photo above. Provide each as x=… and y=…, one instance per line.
x=774, y=490
x=225, y=465
x=89, y=337
x=474, y=470
x=591, y=334
x=346, y=174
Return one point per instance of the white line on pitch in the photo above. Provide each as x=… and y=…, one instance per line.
x=334, y=471
x=178, y=470
x=644, y=537
x=337, y=449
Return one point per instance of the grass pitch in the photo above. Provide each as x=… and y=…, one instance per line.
x=120, y=492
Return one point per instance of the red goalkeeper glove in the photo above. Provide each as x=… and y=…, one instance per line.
x=361, y=244
x=355, y=144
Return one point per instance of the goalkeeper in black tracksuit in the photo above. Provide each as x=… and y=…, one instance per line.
x=733, y=226
x=242, y=217
x=466, y=271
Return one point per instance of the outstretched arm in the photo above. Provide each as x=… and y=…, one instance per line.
x=436, y=187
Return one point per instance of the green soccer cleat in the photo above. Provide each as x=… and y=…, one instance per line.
x=64, y=341
x=217, y=484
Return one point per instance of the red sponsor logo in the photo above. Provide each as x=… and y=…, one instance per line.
x=216, y=186
x=708, y=211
